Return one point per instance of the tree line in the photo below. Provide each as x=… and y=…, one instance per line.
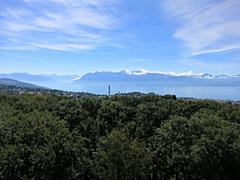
x=123, y=137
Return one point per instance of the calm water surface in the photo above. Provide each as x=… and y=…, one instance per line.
x=205, y=92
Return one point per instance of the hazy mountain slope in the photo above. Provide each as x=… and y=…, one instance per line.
x=39, y=78
x=12, y=82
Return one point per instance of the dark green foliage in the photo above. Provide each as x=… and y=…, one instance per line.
x=128, y=136
x=120, y=157
x=197, y=148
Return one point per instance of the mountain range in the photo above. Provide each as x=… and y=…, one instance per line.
x=162, y=78
x=142, y=77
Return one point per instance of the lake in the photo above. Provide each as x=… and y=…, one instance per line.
x=203, y=92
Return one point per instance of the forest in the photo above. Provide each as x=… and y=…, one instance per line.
x=122, y=137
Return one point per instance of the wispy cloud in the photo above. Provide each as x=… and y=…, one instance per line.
x=232, y=67
x=63, y=47
x=64, y=25
x=223, y=49
x=206, y=26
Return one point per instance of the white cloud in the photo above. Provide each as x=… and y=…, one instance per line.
x=64, y=47
x=18, y=27
x=16, y=13
x=226, y=48
x=231, y=67
x=171, y=73
x=66, y=25
x=206, y=26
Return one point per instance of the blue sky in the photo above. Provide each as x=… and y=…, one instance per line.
x=80, y=36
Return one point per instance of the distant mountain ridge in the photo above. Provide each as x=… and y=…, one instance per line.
x=162, y=78
x=138, y=76
x=52, y=81
x=38, y=78
x=12, y=82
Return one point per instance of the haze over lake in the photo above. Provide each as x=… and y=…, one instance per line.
x=204, y=86
x=203, y=92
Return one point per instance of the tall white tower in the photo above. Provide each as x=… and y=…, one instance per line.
x=109, y=90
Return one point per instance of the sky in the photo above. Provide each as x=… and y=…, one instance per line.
x=81, y=36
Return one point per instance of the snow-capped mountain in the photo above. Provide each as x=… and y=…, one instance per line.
x=143, y=77
x=185, y=79
x=207, y=76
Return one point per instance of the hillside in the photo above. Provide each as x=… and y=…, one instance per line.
x=13, y=87
x=38, y=78
x=12, y=82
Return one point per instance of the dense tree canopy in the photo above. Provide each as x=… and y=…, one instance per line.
x=128, y=137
